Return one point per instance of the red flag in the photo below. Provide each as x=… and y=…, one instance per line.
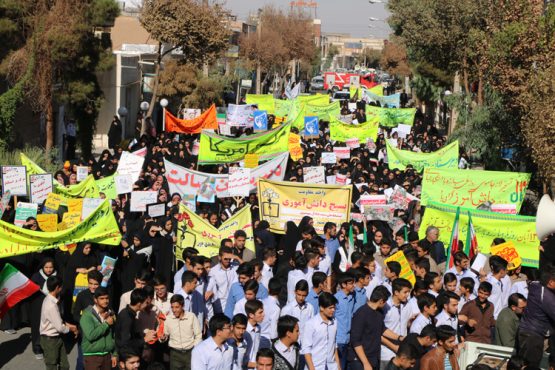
x=471, y=247
x=454, y=243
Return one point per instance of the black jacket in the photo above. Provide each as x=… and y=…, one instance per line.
x=280, y=363
x=84, y=299
x=539, y=315
x=126, y=335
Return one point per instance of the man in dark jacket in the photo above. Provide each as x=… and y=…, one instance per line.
x=285, y=348
x=538, y=319
x=126, y=333
x=85, y=298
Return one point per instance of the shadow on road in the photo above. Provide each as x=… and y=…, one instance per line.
x=13, y=348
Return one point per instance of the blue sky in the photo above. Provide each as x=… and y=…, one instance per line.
x=345, y=16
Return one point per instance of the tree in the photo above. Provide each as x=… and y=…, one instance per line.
x=64, y=54
x=394, y=60
x=197, y=28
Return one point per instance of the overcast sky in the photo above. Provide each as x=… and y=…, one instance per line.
x=345, y=16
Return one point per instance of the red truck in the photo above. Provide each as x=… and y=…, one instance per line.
x=336, y=81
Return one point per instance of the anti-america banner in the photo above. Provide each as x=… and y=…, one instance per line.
x=85, y=189
x=185, y=181
x=391, y=117
x=521, y=230
x=221, y=149
x=446, y=157
x=342, y=131
x=325, y=112
x=99, y=227
x=290, y=201
x=195, y=232
x=470, y=188
x=206, y=121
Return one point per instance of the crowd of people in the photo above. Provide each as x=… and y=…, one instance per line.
x=301, y=300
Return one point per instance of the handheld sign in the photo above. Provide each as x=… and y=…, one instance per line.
x=311, y=127
x=260, y=120
x=14, y=179
x=40, y=186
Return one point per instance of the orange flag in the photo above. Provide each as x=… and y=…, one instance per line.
x=207, y=120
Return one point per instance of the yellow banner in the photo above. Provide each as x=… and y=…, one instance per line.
x=520, y=230
x=406, y=271
x=343, y=131
x=99, y=227
x=48, y=222
x=195, y=232
x=282, y=201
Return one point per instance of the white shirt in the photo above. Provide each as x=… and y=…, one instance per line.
x=497, y=296
x=240, y=307
x=239, y=350
x=268, y=327
x=413, y=304
x=445, y=319
x=124, y=300
x=376, y=281
x=463, y=301
x=324, y=265
x=319, y=341
x=520, y=287
x=419, y=323
x=252, y=338
x=433, y=292
x=293, y=278
x=177, y=279
x=219, y=283
x=164, y=307
x=267, y=274
x=288, y=353
x=303, y=313
x=208, y=356
x=396, y=319
x=194, y=303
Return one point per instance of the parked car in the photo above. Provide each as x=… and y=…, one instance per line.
x=340, y=96
x=317, y=84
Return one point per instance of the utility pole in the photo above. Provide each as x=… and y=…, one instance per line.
x=258, y=67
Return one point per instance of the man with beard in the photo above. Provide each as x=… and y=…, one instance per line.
x=508, y=320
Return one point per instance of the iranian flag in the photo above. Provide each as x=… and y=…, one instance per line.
x=454, y=242
x=471, y=247
x=14, y=287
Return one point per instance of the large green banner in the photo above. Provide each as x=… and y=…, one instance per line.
x=282, y=107
x=264, y=102
x=446, y=157
x=470, y=188
x=300, y=110
x=391, y=117
x=342, y=131
x=222, y=149
x=99, y=227
x=521, y=230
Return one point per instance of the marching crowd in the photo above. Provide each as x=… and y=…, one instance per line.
x=300, y=300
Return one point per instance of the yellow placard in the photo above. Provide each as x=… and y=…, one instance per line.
x=508, y=252
x=295, y=149
x=70, y=220
x=75, y=205
x=53, y=201
x=282, y=201
x=406, y=271
x=251, y=160
x=48, y=222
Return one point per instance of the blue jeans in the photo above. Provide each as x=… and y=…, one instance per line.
x=342, y=351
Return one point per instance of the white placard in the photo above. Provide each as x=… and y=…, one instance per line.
x=352, y=107
x=124, y=184
x=353, y=143
x=40, y=186
x=479, y=262
x=130, y=164
x=156, y=210
x=196, y=148
x=372, y=200
x=314, y=175
x=225, y=129
x=190, y=113
x=240, y=115
x=140, y=199
x=23, y=211
x=330, y=180
x=89, y=206
x=329, y=158
x=239, y=181
x=340, y=179
x=509, y=209
x=342, y=152
x=82, y=173
x=404, y=130
x=14, y=179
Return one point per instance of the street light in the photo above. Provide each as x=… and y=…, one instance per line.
x=372, y=19
x=122, y=113
x=164, y=104
x=144, y=107
x=376, y=1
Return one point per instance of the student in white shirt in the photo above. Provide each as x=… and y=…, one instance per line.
x=295, y=275
x=193, y=300
x=251, y=290
x=255, y=315
x=461, y=268
x=448, y=316
x=272, y=311
x=428, y=309
x=433, y=280
x=221, y=277
x=299, y=308
x=324, y=264
x=161, y=296
x=466, y=289
x=319, y=337
x=238, y=342
x=286, y=348
x=270, y=257
x=500, y=289
x=186, y=255
x=214, y=353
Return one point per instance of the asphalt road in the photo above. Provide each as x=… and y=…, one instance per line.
x=16, y=352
